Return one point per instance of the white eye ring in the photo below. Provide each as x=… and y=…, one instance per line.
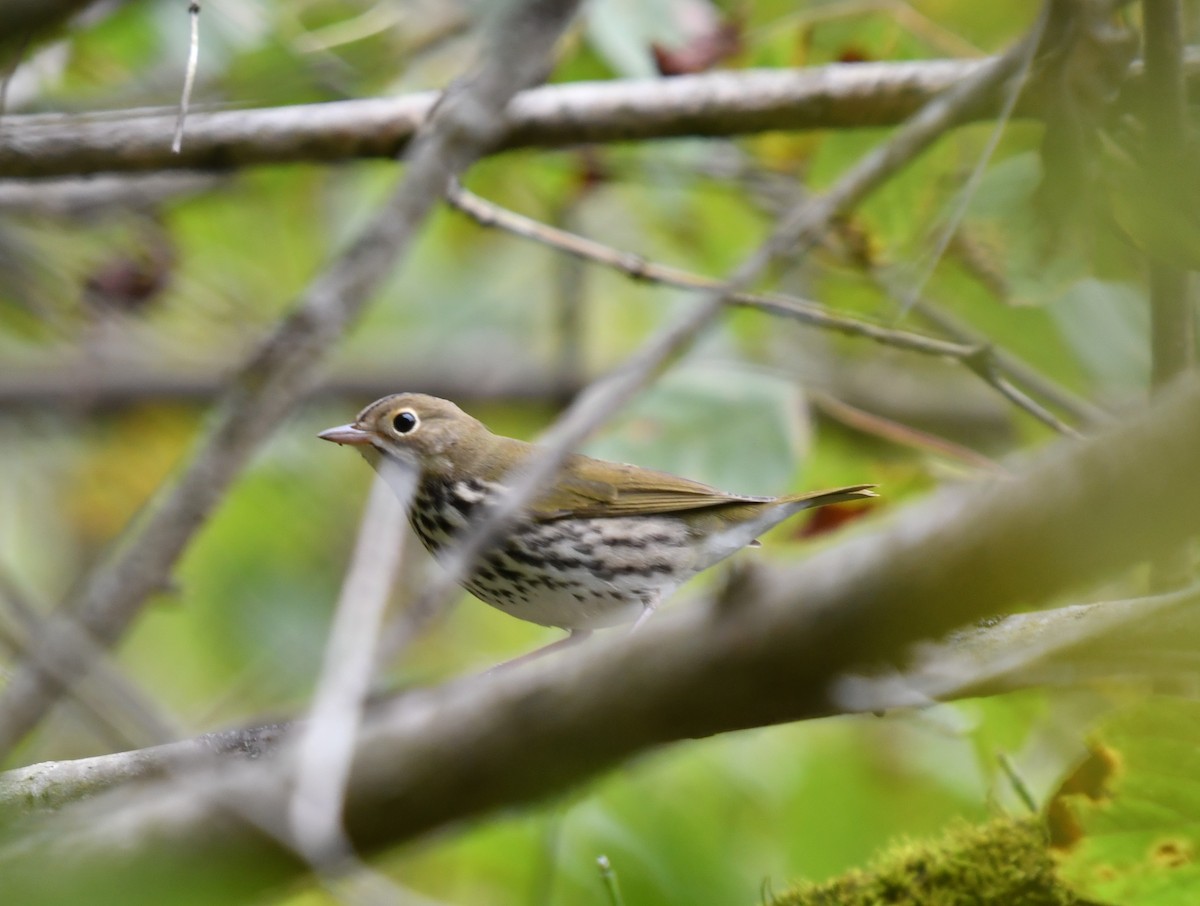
x=405, y=422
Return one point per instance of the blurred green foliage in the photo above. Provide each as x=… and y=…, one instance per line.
x=1137, y=830
x=241, y=634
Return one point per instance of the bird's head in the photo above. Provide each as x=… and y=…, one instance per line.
x=416, y=430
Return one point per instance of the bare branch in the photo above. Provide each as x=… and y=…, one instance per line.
x=713, y=104
x=111, y=701
x=489, y=214
x=1135, y=639
x=983, y=363
x=901, y=434
x=1017, y=369
x=326, y=745
x=81, y=197
x=981, y=359
x=189, y=77
x=967, y=192
x=839, y=96
x=74, y=383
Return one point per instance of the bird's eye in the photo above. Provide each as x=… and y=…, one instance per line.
x=404, y=421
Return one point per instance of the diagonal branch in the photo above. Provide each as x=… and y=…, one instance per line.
x=1083, y=411
x=489, y=214
x=469, y=121
x=982, y=359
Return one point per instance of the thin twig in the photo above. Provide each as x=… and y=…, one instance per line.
x=976, y=178
x=1083, y=411
x=489, y=214
x=468, y=122
x=79, y=198
x=901, y=434
x=327, y=743
x=773, y=191
x=189, y=76
x=1019, y=784
x=608, y=877
x=570, y=300
x=984, y=365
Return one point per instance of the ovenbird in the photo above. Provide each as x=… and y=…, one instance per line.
x=602, y=546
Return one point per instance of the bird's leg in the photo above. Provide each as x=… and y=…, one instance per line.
x=574, y=638
x=647, y=611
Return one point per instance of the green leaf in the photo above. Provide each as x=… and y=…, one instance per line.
x=723, y=424
x=1108, y=326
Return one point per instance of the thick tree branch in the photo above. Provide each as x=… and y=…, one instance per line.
x=722, y=103
x=839, y=96
x=1136, y=639
x=770, y=648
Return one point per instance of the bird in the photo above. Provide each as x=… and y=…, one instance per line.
x=603, y=545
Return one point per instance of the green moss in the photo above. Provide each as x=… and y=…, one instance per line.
x=1003, y=862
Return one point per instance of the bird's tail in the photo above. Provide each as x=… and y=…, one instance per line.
x=812, y=499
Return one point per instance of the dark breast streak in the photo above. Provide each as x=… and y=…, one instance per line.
x=567, y=572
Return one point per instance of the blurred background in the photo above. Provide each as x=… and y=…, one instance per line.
x=127, y=303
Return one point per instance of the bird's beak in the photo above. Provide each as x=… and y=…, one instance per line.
x=347, y=434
